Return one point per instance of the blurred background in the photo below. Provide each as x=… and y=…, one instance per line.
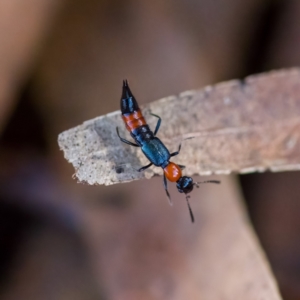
x=61, y=63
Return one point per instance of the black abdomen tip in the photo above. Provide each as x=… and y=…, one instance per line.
x=128, y=102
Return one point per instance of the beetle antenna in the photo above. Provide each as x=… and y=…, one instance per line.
x=208, y=181
x=190, y=210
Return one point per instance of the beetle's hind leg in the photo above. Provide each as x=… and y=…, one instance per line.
x=125, y=141
x=157, y=124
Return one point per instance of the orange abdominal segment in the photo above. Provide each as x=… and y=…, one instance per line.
x=134, y=120
x=172, y=172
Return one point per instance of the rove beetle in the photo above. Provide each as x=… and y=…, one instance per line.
x=152, y=147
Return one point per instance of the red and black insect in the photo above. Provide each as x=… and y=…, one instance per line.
x=152, y=147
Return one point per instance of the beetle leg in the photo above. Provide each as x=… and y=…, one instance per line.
x=158, y=122
x=125, y=141
x=177, y=152
x=166, y=189
x=145, y=167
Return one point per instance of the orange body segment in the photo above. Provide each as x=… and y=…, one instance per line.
x=134, y=120
x=172, y=172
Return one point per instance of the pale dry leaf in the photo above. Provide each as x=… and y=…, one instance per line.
x=237, y=126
